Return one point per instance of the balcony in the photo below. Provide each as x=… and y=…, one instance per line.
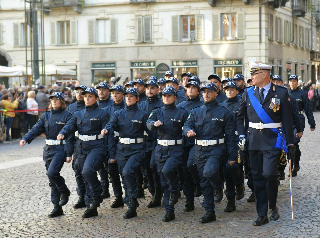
x=142, y=1
x=300, y=8
x=75, y=4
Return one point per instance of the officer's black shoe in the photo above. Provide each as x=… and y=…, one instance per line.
x=156, y=200
x=231, y=205
x=118, y=202
x=174, y=196
x=105, y=193
x=239, y=191
x=57, y=211
x=132, y=209
x=145, y=182
x=261, y=221
x=96, y=202
x=189, y=206
x=197, y=191
x=64, y=198
x=251, y=198
x=282, y=175
x=90, y=212
x=80, y=203
x=294, y=172
x=297, y=166
x=218, y=194
x=246, y=176
x=274, y=214
x=169, y=217
x=140, y=192
x=208, y=217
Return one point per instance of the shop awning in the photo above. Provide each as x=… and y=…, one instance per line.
x=10, y=71
x=52, y=69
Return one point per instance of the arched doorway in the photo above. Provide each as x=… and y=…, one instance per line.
x=5, y=60
x=161, y=70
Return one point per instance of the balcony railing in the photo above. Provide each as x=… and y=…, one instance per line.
x=300, y=8
x=76, y=4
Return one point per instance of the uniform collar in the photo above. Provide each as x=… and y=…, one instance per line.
x=118, y=104
x=80, y=102
x=211, y=104
x=132, y=107
x=170, y=106
x=153, y=99
x=53, y=111
x=90, y=108
x=234, y=99
x=195, y=99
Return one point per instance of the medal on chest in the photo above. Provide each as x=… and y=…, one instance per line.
x=274, y=104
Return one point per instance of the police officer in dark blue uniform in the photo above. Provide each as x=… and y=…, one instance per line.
x=233, y=173
x=162, y=84
x=212, y=126
x=105, y=99
x=265, y=110
x=140, y=84
x=131, y=124
x=91, y=147
x=154, y=185
x=303, y=105
x=173, y=82
x=55, y=152
x=168, y=122
x=225, y=81
x=129, y=84
x=194, y=78
x=191, y=186
x=182, y=91
x=117, y=93
x=214, y=78
x=81, y=187
x=239, y=79
x=168, y=74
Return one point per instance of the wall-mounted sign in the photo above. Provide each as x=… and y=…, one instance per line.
x=228, y=62
x=184, y=63
x=146, y=64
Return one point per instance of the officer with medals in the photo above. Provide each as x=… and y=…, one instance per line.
x=212, y=126
x=303, y=106
x=154, y=184
x=233, y=172
x=173, y=82
x=140, y=84
x=239, y=79
x=91, y=147
x=130, y=123
x=168, y=122
x=214, y=78
x=266, y=111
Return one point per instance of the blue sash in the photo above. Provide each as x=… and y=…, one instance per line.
x=265, y=118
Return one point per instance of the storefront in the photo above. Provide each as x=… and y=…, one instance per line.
x=180, y=67
x=315, y=68
x=142, y=69
x=102, y=72
x=228, y=68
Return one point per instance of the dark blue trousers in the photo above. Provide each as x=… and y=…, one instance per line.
x=81, y=187
x=188, y=185
x=115, y=179
x=103, y=172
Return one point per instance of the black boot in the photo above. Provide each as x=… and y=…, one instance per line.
x=145, y=182
x=218, y=194
x=169, y=217
x=282, y=175
x=96, y=202
x=197, y=191
x=231, y=205
x=251, y=198
x=90, y=212
x=208, y=217
x=80, y=203
x=239, y=191
x=274, y=214
x=105, y=193
x=156, y=200
x=132, y=209
x=57, y=211
x=189, y=206
x=140, y=192
x=118, y=202
x=174, y=196
x=64, y=198
x=261, y=221
x=295, y=169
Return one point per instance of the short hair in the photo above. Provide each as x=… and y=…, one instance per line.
x=31, y=94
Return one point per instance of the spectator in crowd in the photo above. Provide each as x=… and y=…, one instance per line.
x=32, y=105
x=67, y=96
x=312, y=97
x=19, y=117
x=42, y=100
x=9, y=106
x=22, y=115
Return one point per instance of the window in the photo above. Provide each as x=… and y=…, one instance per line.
x=25, y=34
x=301, y=36
x=271, y=62
x=103, y=31
x=295, y=35
x=287, y=32
x=270, y=27
x=63, y=32
x=188, y=26
x=144, y=29
x=279, y=68
x=229, y=26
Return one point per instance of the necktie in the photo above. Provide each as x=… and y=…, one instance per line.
x=261, y=94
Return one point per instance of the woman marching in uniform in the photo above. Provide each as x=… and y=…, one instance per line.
x=55, y=153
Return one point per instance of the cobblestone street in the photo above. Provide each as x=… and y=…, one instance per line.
x=25, y=204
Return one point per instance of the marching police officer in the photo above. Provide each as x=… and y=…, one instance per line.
x=162, y=84
x=266, y=111
x=140, y=84
x=214, y=78
x=168, y=74
x=225, y=81
x=131, y=124
x=81, y=187
x=91, y=147
x=303, y=105
x=213, y=129
x=173, y=82
x=191, y=186
x=55, y=152
x=185, y=77
x=168, y=122
x=104, y=95
x=239, y=79
x=129, y=84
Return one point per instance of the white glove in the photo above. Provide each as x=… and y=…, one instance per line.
x=242, y=142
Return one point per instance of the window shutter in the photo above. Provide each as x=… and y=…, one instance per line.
x=276, y=29
x=147, y=29
x=216, y=22
x=16, y=34
x=139, y=30
x=114, y=32
x=270, y=30
x=306, y=39
x=200, y=27
x=74, y=32
x=280, y=31
x=1, y=35
x=92, y=31
x=175, y=28
x=285, y=32
x=53, y=26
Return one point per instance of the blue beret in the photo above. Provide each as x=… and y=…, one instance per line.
x=139, y=81
x=118, y=88
x=103, y=85
x=57, y=95
x=277, y=77
x=83, y=87
x=172, y=79
x=231, y=84
x=152, y=82
x=162, y=81
x=169, y=90
x=194, y=78
x=186, y=74
x=132, y=91
x=194, y=83
x=92, y=91
x=131, y=83
x=226, y=80
x=153, y=78
x=293, y=76
x=238, y=77
x=210, y=86
x=169, y=73
x=214, y=76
